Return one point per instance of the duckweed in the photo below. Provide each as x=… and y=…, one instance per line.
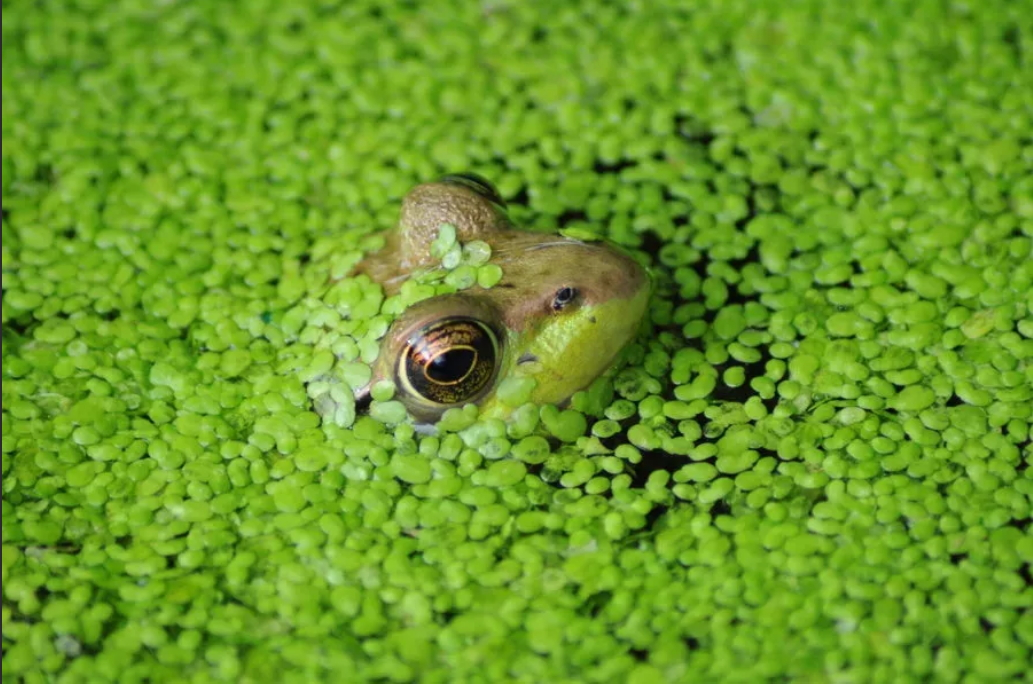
x=814, y=465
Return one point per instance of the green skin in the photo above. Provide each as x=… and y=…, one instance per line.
x=562, y=350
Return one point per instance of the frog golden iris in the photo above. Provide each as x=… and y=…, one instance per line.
x=449, y=361
x=562, y=311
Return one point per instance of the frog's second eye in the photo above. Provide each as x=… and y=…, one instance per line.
x=564, y=297
x=481, y=186
x=449, y=361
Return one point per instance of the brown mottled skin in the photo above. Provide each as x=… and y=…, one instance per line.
x=534, y=265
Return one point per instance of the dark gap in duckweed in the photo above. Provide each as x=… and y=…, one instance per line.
x=1025, y=528
x=720, y=507
x=16, y=612
x=640, y=655
x=654, y=516
x=652, y=461
x=739, y=394
x=752, y=209
x=1023, y=465
x=752, y=256
x=521, y=199
x=650, y=243
x=613, y=167
x=692, y=129
x=1025, y=570
x=571, y=216
x=44, y=174
x=679, y=220
x=595, y=603
x=1012, y=36
x=68, y=548
x=18, y=327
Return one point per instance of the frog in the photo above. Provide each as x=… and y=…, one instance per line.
x=563, y=310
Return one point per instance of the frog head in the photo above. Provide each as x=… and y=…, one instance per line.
x=562, y=311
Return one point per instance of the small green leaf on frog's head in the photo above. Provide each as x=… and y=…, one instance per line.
x=581, y=234
x=445, y=241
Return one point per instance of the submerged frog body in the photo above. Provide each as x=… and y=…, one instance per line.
x=562, y=311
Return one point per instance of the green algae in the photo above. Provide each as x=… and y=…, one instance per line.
x=815, y=466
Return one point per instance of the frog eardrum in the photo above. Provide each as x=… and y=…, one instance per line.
x=560, y=314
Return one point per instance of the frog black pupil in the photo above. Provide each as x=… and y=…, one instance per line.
x=451, y=365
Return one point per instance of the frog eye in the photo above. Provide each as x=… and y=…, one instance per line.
x=449, y=361
x=563, y=298
x=478, y=184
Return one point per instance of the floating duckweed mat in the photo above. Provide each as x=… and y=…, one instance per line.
x=815, y=466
